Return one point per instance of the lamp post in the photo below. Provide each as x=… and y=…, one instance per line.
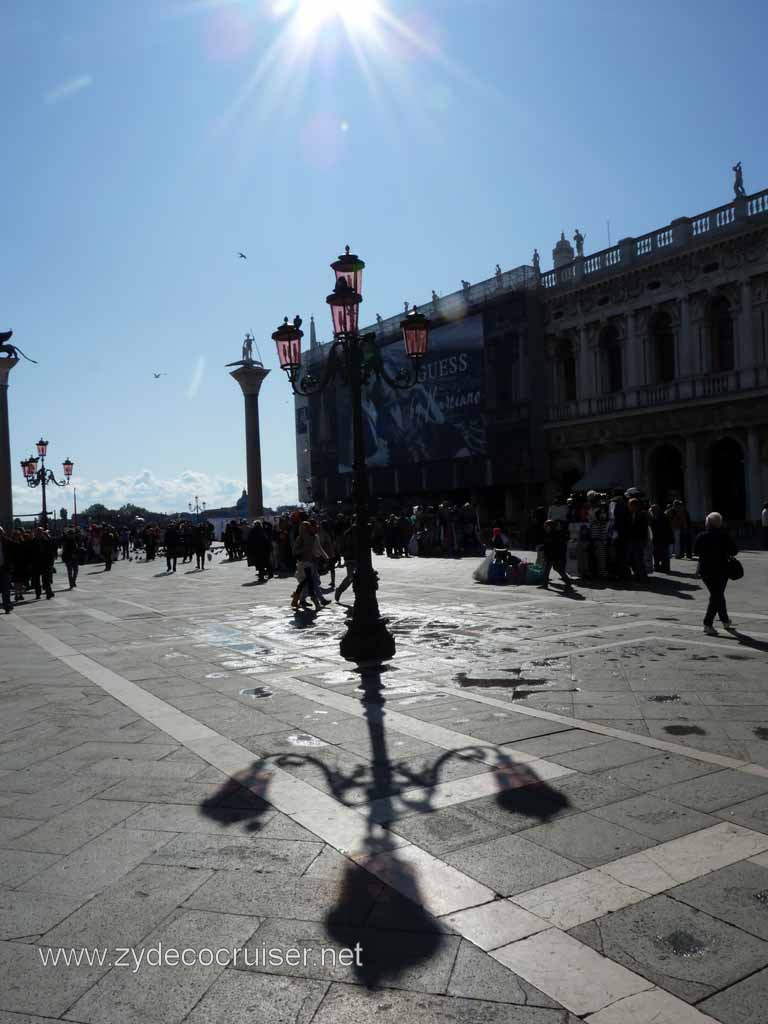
x=42, y=477
x=355, y=359
x=197, y=508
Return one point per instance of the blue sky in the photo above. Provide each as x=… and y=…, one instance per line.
x=147, y=141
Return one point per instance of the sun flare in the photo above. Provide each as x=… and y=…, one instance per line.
x=357, y=15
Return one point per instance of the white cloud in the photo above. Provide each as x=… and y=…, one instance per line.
x=155, y=493
x=64, y=90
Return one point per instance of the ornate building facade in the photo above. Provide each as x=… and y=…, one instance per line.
x=642, y=365
x=657, y=362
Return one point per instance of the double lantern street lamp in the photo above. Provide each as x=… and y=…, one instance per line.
x=355, y=359
x=197, y=508
x=42, y=477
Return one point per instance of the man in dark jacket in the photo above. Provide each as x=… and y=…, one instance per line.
x=554, y=547
x=171, y=541
x=43, y=553
x=715, y=548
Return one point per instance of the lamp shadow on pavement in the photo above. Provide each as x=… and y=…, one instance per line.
x=241, y=799
x=382, y=909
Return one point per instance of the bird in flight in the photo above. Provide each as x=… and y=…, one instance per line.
x=156, y=375
x=242, y=256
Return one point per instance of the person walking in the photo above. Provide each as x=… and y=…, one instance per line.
x=349, y=551
x=715, y=548
x=200, y=544
x=171, y=541
x=108, y=544
x=554, y=551
x=663, y=537
x=308, y=552
x=41, y=564
x=70, y=556
x=258, y=549
x=5, y=571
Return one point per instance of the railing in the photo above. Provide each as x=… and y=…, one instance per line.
x=648, y=395
x=676, y=234
x=455, y=304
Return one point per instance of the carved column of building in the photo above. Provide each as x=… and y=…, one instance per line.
x=637, y=467
x=694, y=493
x=586, y=367
x=746, y=337
x=685, y=355
x=753, y=474
x=634, y=354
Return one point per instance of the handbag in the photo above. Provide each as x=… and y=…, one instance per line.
x=735, y=569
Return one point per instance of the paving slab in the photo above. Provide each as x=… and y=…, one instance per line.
x=658, y=819
x=23, y=915
x=715, y=791
x=737, y=894
x=164, y=994
x=245, y=997
x=588, y=839
x=682, y=950
x=233, y=851
x=742, y=1003
x=128, y=909
x=27, y=986
x=511, y=864
x=346, y=1005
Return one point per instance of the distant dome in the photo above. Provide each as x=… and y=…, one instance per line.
x=242, y=502
x=562, y=253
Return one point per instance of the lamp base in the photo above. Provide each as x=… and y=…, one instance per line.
x=367, y=642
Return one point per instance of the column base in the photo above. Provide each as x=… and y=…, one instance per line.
x=367, y=643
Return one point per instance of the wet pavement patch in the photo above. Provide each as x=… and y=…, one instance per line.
x=256, y=691
x=761, y=732
x=682, y=943
x=685, y=730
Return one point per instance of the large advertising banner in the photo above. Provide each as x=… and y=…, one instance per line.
x=439, y=418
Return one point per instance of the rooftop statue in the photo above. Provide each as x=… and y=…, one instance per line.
x=579, y=240
x=738, y=181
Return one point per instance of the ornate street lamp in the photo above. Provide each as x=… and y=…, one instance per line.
x=355, y=359
x=42, y=477
x=197, y=508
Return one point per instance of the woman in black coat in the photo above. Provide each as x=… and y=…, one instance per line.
x=715, y=548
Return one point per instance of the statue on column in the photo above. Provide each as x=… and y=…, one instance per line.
x=738, y=181
x=579, y=240
x=248, y=348
x=12, y=351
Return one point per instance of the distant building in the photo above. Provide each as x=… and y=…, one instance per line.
x=644, y=364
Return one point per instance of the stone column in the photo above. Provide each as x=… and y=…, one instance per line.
x=637, y=467
x=634, y=353
x=586, y=369
x=686, y=357
x=6, y=499
x=753, y=474
x=745, y=361
x=250, y=377
x=694, y=496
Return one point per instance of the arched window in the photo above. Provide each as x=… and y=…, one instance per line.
x=721, y=327
x=611, y=361
x=566, y=371
x=662, y=349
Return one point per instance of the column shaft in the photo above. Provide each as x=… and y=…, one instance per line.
x=253, y=456
x=6, y=498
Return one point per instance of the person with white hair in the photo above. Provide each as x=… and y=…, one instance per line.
x=715, y=548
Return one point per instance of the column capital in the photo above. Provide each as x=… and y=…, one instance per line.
x=6, y=365
x=250, y=377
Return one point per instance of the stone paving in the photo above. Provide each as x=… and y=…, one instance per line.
x=559, y=812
